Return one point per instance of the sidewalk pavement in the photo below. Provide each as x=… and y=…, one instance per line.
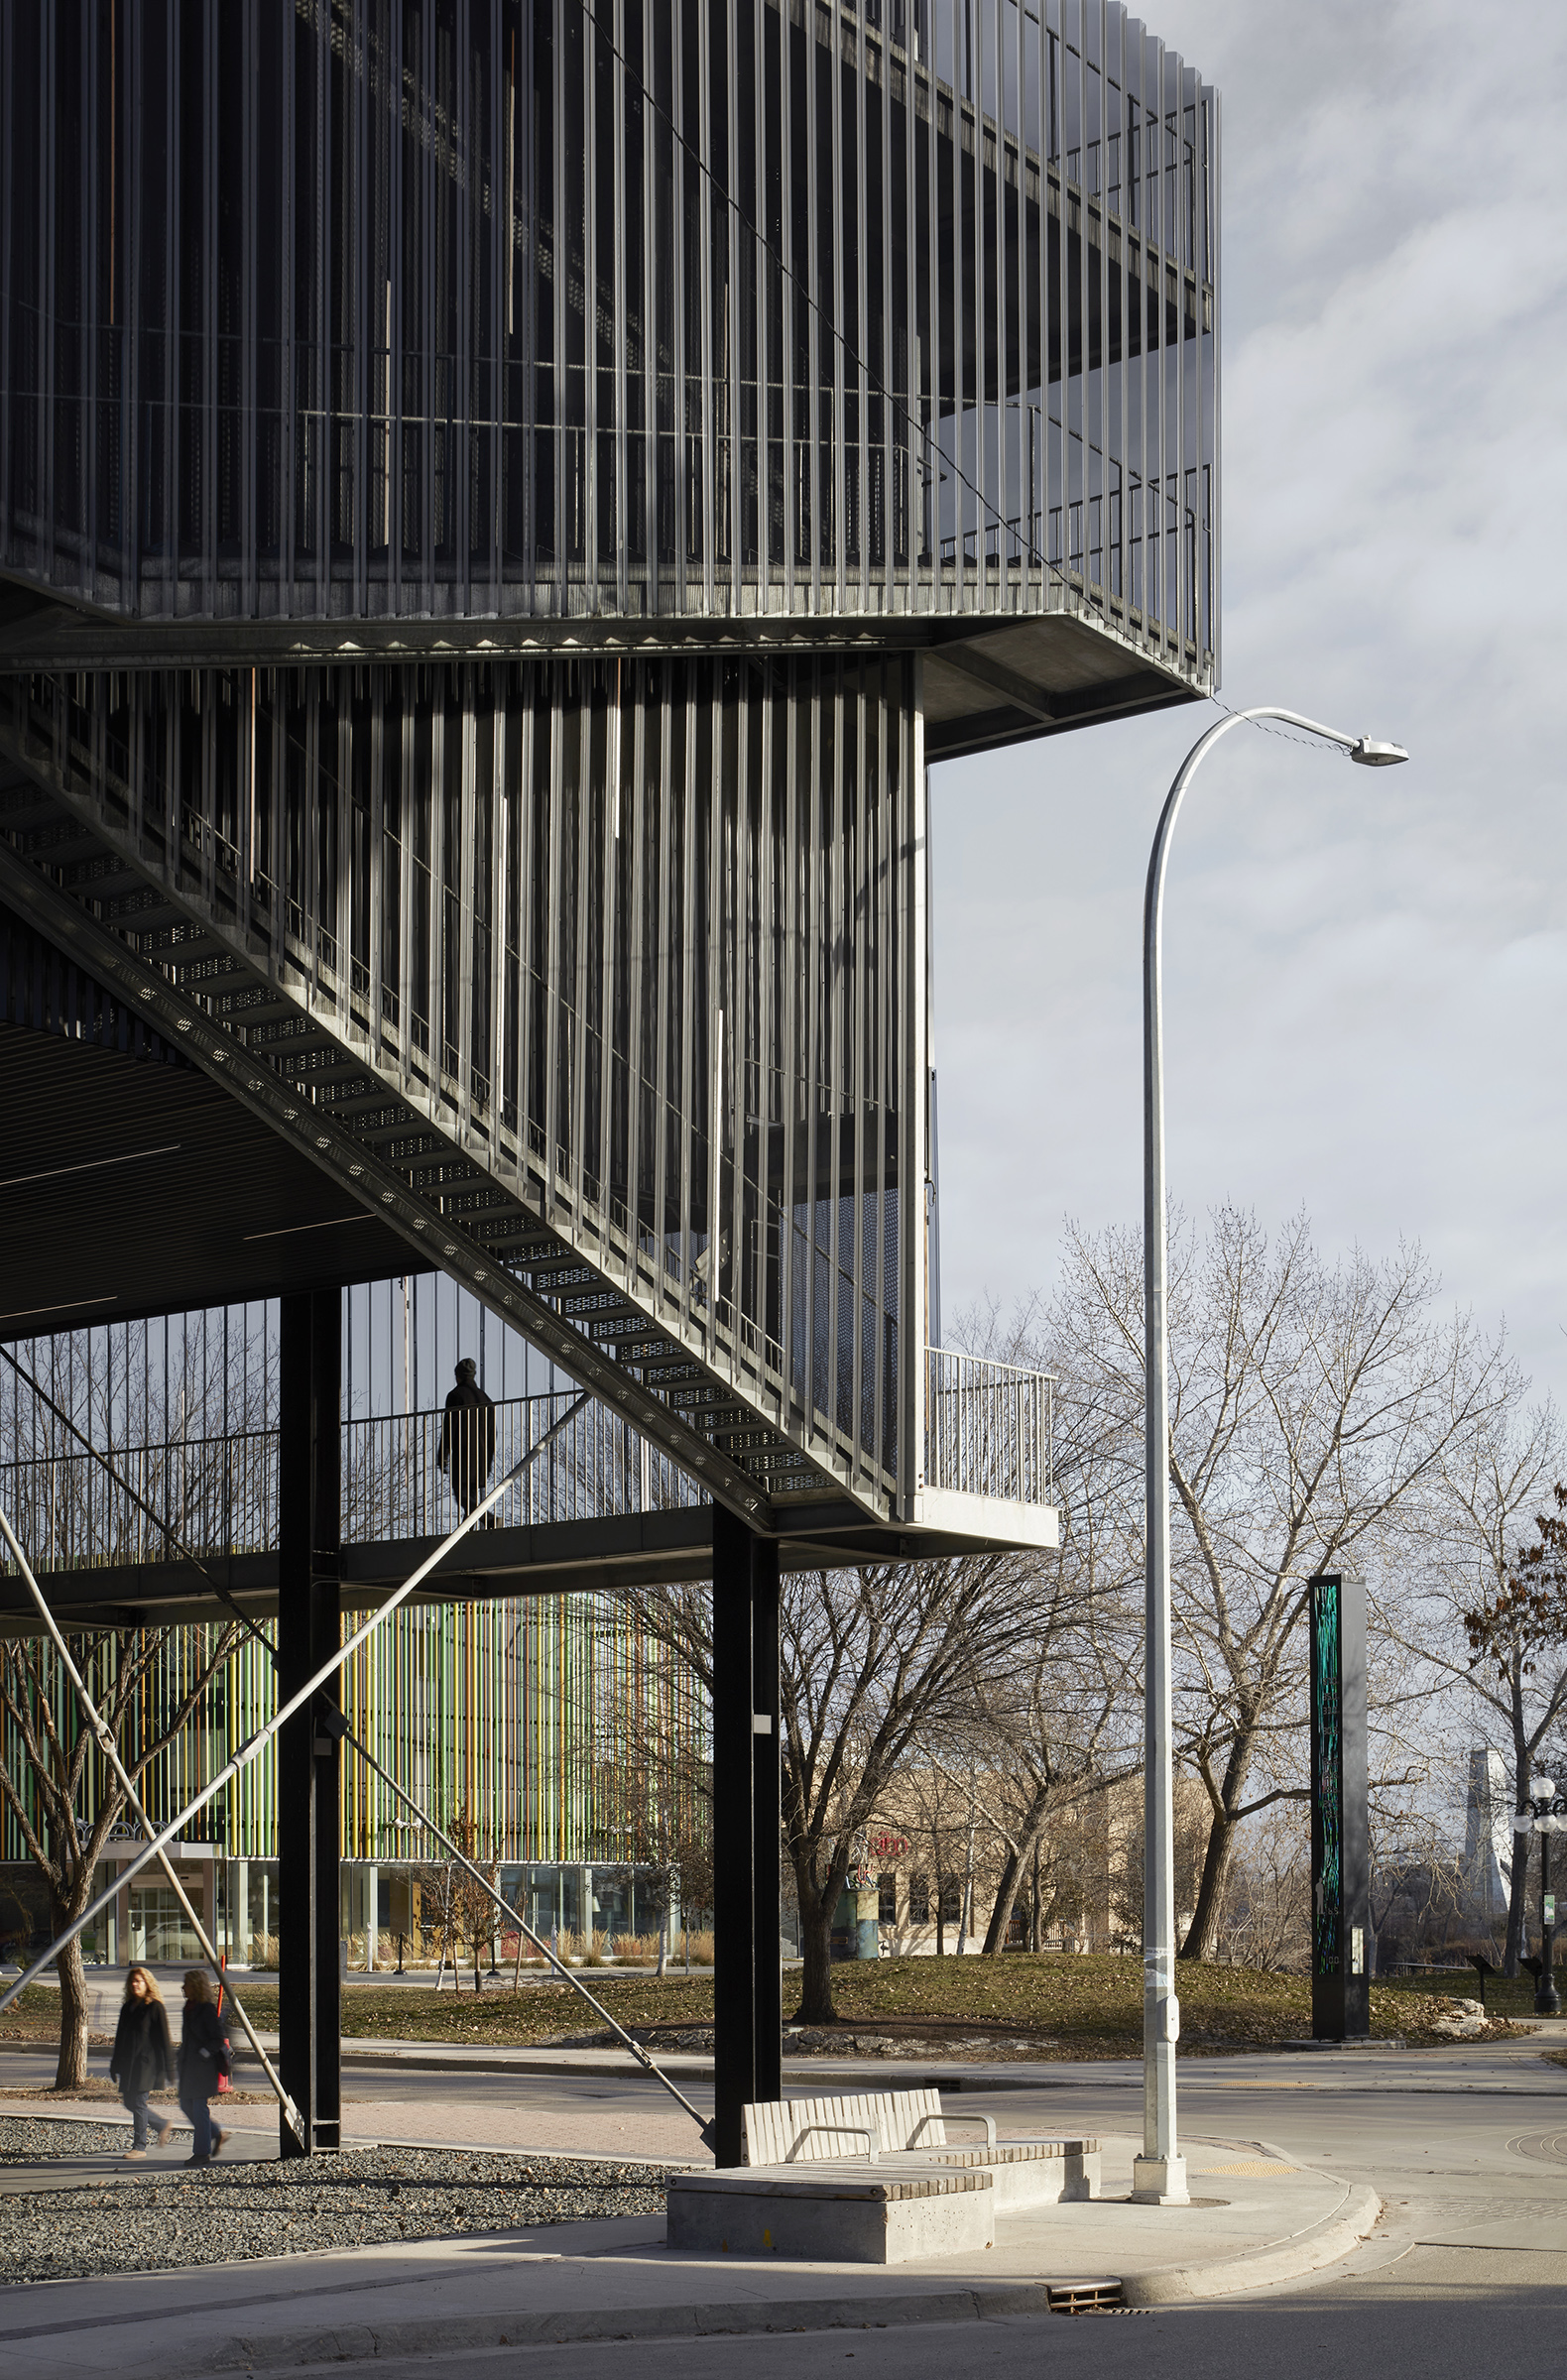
x=656, y=2131
x=1258, y=2219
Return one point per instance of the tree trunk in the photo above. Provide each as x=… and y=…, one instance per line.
x=1518, y=1904
x=72, y=2071
x=1519, y=1878
x=816, y=1943
x=1005, y=1895
x=1011, y=1876
x=1204, y=1927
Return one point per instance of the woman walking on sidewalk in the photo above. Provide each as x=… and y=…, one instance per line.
x=142, y=2060
x=200, y=2064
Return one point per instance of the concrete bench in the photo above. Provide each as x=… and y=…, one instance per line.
x=906, y=2130
x=871, y=2179
x=837, y=2214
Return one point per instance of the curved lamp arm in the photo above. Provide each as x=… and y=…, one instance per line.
x=1160, y=2174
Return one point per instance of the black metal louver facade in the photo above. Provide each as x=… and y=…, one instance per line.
x=556, y=309
x=499, y=501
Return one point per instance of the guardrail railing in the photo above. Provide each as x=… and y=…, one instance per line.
x=987, y=1433
x=221, y=1494
x=989, y=1428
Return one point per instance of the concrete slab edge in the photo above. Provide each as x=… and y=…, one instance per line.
x=1185, y=2284
x=355, y=2342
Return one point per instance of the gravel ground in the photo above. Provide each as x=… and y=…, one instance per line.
x=163, y=2217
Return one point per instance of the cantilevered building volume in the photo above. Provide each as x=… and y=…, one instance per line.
x=501, y=502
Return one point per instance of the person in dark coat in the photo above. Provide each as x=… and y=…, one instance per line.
x=142, y=2060
x=467, y=1437
x=201, y=2045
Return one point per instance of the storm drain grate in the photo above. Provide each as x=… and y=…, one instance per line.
x=1086, y=2297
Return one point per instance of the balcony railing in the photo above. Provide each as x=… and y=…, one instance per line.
x=221, y=1494
x=987, y=1433
x=989, y=1428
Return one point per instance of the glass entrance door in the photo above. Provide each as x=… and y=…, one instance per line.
x=161, y=1932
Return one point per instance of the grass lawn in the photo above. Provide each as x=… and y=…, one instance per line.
x=1070, y=2007
x=1092, y=2007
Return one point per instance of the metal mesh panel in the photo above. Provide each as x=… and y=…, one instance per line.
x=640, y=939
x=552, y=308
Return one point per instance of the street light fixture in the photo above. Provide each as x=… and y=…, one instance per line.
x=1159, y=2176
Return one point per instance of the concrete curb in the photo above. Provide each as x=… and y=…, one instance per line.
x=357, y=2342
x=354, y=2342
x=1291, y=2260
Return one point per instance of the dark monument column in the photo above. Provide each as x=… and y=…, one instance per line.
x=309, y=1343
x=1340, y=1845
x=747, y=1982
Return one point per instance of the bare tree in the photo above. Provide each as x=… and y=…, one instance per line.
x=1490, y=1612
x=1417, y=1880
x=656, y=1779
x=63, y=1796
x=1264, y=1920
x=1517, y=1627
x=929, y=1799
x=1061, y=1719
x=871, y=1658
x=1312, y=1406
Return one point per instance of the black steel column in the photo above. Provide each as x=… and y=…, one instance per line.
x=765, y=1821
x=310, y=1354
x=1340, y=1845
x=747, y=1980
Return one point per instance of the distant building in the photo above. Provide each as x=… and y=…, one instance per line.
x=1488, y=1835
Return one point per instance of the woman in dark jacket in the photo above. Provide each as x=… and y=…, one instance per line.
x=201, y=2048
x=143, y=2057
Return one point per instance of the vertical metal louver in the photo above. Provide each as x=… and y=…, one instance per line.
x=651, y=310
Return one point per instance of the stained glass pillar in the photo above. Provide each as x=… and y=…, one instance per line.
x=1340, y=1847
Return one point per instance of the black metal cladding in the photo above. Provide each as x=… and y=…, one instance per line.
x=721, y=325
x=642, y=939
x=43, y=991
x=551, y=309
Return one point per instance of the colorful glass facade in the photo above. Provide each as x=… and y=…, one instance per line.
x=522, y=1716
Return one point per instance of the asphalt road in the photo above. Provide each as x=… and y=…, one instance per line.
x=1436, y=2314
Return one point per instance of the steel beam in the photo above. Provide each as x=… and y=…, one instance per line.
x=308, y=1630
x=747, y=1981
x=767, y=1965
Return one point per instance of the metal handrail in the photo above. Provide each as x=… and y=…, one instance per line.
x=989, y=1428
x=222, y=1492
x=988, y=1432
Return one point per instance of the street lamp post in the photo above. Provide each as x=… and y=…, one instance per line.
x=1159, y=2174
x=1544, y=1814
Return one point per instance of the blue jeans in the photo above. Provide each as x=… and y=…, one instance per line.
x=193, y=2100
x=136, y=2101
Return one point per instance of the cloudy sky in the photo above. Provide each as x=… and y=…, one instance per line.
x=1364, y=970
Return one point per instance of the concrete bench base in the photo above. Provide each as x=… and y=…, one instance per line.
x=1023, y=2173
x=836, y=2215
